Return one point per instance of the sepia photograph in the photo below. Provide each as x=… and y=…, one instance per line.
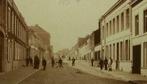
x=73, y=41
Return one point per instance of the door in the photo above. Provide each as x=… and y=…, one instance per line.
x=117, y=58
x=136, y=68
x=1, y=49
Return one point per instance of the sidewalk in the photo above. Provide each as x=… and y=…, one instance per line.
x=118, y=75
x=16, y=76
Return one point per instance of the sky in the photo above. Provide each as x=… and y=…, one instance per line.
x=65, y=20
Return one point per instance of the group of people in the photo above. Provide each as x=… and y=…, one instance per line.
x=106, y=64
x=36, y=62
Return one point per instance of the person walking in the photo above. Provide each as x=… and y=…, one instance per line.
x=60, y=62
x=73, y=61
x=101, y=63
x=31, y=61
x=35, y=62
x=92, y=60
x=110, y=62
x=106, y=63
x=27, y=61
x=44, y=63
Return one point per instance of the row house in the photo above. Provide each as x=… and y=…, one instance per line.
x=96, y=42
x=34, y=44
x=43, y=45
x=13, y=37
x=85, y=49
x=74, y=51
x=139, y=36
x=116, y=33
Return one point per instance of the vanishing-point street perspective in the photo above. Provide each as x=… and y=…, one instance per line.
x=73, y=41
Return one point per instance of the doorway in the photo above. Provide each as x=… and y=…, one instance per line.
x=136, y=68
x=1, y=49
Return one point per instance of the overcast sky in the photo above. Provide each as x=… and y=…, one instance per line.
x=65, y=20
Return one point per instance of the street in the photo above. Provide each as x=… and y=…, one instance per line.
x=66, y=75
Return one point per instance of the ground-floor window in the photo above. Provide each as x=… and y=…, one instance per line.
x=97, y=55
x=145, y=55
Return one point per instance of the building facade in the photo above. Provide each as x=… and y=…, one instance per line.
x=39, y=41
x=13, y=36
x=139, y=36
x=116, y=33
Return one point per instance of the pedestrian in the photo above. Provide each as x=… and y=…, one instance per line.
x=38, y=62
x=73, y=61
x=69, y=58
x=110, y=61
x=101, y=63
x=92, y=60
x=31, y=61
x=27, y=61
x=60, y=62
x=35, y=62
x=52, y=61
x=106, y=63
x=44, y=63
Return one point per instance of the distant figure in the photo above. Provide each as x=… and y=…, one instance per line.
x=60, y=63
x=52, y=62
x=27, y=61
x=106, y=63
x=31, y=61
x=92, y=60
x=44, y=63
x=101, y=63
x=69, y=59
x=110, y=62
x=73, y=61
x=35, y=62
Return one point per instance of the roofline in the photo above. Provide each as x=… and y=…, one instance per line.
x=116, y=5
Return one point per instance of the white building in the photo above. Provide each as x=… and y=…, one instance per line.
x=139, y=35
x=115, y=34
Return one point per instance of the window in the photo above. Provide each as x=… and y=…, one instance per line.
x=110, y=28
x=117, y=23
x=110, y=54
x=127, y=50
x=12, y=30
x=145, y=55
x=121, y=50
x=145, y=21
x=136, y=25
x=9, y=19
x=122, y=21
x=127, y=18
x=113, y=51
x=114, y=26
x=103, y=33
x=107, y=29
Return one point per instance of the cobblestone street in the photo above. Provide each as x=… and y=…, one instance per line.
x=66, y=75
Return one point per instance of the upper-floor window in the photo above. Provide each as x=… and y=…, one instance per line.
x=117, y=24
x=113, y=25
x=9, y=19
x=122, y=21
x=107, y=29
x=127, y=18
x=145, y=21
x=136, y=24
x=110, y=28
